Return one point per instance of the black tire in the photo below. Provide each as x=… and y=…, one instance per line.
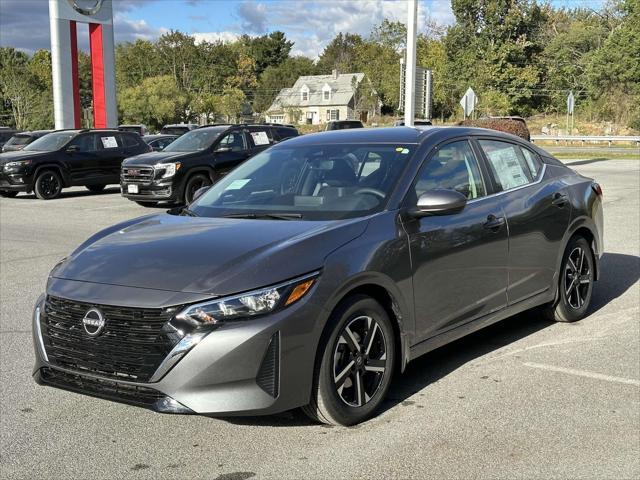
x=575, y=285
x=95, y=188
x=8, y=193
x=345, y=361
x=48, y=185
x=193, y=184
x=147, y=204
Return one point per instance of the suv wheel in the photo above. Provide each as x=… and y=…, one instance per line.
x=48, y=185
x=575, y=285
x=95, y=188
x=8, y=193
x=357, y=359
x=195, y=183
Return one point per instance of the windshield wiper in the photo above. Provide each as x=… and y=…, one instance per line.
x=186, y=212
x=272, y=216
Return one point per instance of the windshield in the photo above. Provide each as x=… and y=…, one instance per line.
x=316, y=182
x=50, y=142
x=195, y=140
x=19, y=140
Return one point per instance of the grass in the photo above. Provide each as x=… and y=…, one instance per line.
x=597, y=155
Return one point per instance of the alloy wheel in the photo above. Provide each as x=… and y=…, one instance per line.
x=359, y=361
x=577, y=278
x=49, y=185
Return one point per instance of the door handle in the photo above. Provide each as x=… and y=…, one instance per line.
x=559, y=200
x=494, y=223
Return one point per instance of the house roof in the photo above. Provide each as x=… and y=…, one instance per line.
x=341, y=91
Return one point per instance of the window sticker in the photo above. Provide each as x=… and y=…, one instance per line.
x=402, y=150
x=109, y=142
x=260, y=138
x=238, y=184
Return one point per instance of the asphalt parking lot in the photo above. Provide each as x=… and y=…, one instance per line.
x=522, y=399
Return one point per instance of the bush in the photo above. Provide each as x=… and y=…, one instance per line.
x=507, y=125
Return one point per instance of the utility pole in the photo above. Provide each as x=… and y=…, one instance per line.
x=410, y=77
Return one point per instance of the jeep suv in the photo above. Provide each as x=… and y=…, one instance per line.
x=66, y=158
x=196, y=159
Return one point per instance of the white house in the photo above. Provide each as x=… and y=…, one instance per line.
x=317, y=99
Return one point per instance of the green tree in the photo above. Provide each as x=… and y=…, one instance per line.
x=232, y=103
x=268, y=50
x=17, y=86
x=340, y=54
x=155, y=102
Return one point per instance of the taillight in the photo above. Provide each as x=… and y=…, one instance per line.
x=597, y=188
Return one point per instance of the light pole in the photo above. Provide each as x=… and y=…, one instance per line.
x=410, y=76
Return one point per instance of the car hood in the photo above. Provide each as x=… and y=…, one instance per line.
x=218, y=256
x=153, y=158
x=20, y=155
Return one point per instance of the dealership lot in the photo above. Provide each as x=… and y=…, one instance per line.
x=524, y=398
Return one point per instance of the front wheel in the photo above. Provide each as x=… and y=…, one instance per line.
x=195, y=183
x=575, y=286
x=357, y=359
x=48, y=185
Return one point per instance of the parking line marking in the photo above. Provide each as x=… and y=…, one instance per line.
x=583, y=373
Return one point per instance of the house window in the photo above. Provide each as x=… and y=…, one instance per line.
x=305, y=95
x=276, y=118
x=326, y=94
x=334, y=114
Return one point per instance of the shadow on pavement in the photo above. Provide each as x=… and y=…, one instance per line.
x=585, y=162
x=618, y=273
x=71, y=194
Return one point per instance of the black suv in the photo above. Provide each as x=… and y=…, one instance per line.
x=66, y=158
x=195, y=160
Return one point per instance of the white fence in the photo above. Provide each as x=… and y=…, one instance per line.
x=609, y=139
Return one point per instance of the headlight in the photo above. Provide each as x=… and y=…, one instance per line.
x=21, y=163
x=170, y=169
x=250, y=304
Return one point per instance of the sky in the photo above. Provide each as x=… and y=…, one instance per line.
x=311, y=24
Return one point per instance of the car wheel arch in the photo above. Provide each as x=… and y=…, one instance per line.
x=582, y=227
x=52, y=166
x=388, y=299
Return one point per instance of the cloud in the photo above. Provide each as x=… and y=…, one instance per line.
x=215, y=36
x=20, y=16
x=313, y=23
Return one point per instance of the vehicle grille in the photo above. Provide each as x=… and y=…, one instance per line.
x=131, y=347
x=133, y=394
x=133, y=174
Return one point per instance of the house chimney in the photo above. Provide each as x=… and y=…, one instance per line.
x=334, y=74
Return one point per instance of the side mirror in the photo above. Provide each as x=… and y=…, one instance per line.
x=223, y=149
x=439, y=202
x=201, y=191
x=73, y=149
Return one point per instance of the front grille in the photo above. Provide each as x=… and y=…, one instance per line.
x=133, y=174
x=131, y=346
x=133, y=394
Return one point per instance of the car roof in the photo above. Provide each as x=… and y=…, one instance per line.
x=401, y=135
x=160, y=135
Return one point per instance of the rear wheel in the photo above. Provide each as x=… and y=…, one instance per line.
x=8, y=193
x=48, y=185
x=575, y=286
x=95, y=188
x=356, y=363
x=195, y=183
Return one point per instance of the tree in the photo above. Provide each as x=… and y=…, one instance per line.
x=268, y=50
x=155, y=102
x=232, y=103
x=17, y=87
x=137, y=61
x=340, y=54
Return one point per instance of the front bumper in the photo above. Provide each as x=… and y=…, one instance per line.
x=14, y=181
x=155, y=192
x=254, y=367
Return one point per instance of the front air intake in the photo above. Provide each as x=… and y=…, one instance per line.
x=268, y=377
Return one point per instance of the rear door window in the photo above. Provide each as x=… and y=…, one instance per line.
x=533, y=161
x=235, y=141
x=507, y=163
x=261, y=137
x=109, y=141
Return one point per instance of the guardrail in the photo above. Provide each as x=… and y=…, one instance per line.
x=587, y=138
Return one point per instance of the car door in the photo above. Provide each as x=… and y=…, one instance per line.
x=538, y=212
x=112, y=153
x=459, y=261
x=82, y=158
x=232, y=150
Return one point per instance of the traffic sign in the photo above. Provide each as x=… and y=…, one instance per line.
x=468, y=102
x=570, y=103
